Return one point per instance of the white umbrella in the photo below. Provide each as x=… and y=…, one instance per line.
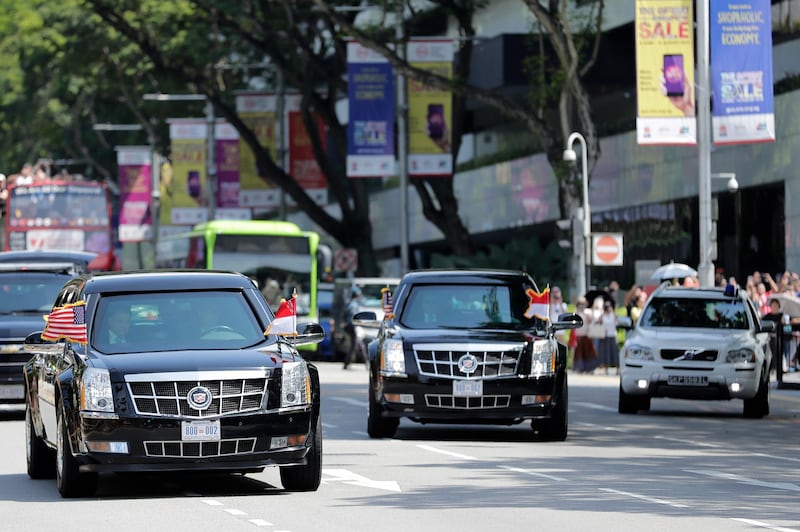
x=790, y=304
x=673, y=270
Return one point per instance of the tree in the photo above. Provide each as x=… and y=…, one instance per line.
x=567, y=54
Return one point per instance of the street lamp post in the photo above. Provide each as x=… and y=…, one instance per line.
x=583, y=272
x=211, y=164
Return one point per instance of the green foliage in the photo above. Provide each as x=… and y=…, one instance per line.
x=547, y=265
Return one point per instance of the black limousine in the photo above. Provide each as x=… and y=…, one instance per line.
x=168, y=371
x=468, y=346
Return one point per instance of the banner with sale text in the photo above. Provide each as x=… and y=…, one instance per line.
x=741, y=72
x=665, y=72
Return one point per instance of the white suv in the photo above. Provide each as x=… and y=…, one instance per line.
x=697, y=343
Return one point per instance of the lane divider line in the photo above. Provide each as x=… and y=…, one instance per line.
x=646, y=498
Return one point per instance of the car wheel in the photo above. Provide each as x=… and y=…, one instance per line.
x=69, y=480
x=378, y=426
x=556, y=427
x=758, y=406
x=41, y=459
x=309, y=476
x=630, y=404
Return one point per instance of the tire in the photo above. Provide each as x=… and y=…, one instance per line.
x=309, y=476
x=631, y=404
x=69, y=480
x=758, y=406
x=41, y=459
x=556, y=427
x=378, y=426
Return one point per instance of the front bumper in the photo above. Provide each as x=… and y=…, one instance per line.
x=247, y=442
x=720, y=381
x=502, y=401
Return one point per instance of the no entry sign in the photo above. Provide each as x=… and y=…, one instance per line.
x=607, y=249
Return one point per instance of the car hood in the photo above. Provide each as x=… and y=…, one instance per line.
x=192, y=361
x=19, y=326
x=443, y=336
x=690, y=337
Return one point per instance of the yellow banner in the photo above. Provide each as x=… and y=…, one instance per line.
x=430, y=111
x=184, y=195
x=665, y=81
x=258, y=112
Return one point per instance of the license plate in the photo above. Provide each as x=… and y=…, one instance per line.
x=687, y=380
x=205, y=430
x=12, y=391
x=467, y=388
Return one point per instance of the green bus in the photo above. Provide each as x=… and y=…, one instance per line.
x=279, y=256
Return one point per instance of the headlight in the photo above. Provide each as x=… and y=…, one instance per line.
x=741, y=355
x=392, y=358
x=295, y=384
x=638, y=352
x=96, y=391
x=543, y=358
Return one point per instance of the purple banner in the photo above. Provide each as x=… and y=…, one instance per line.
x=227, y=159
x=370, y=128
x=741, y=72
x=135, y=186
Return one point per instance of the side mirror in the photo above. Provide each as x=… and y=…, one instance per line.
x=624, y=322
x=309, y=333
x=568, y=320
x=367, y=319
x=34, y=343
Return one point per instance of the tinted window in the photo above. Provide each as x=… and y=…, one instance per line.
x=176, y=321
x=465, y=306
x=700, y=313
x=29, y=292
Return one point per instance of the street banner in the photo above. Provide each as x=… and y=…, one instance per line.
x=741, y=72
x=665, y=73
x=303, y=165
x=430, y=111
x=184, y=193
x=257, y=111
x=370, y=126
x=135, y=164
x=226, y=157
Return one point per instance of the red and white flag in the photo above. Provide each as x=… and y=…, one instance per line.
x=538, y=304
x=285, y=322
x=68, y=322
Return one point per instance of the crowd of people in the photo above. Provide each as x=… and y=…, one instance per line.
x=594, y=347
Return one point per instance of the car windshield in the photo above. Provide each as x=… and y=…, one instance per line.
x=173, y=321
x=29, y=292
x=465, y=307
x=696, y=313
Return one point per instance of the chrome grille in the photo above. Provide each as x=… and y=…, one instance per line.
x=467, y=403
x=494, y=360
x=166, y=394
x=199, y=449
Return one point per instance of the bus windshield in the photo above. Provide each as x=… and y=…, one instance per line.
x=59, y=215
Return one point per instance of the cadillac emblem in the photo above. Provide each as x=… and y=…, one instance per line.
x=468, y=363
x=199, y=398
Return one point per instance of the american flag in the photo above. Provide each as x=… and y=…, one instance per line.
x=68, y=322
x=386, y=302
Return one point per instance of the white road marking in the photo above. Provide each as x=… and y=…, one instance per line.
x=360, y=433
x=645, y=498
x=328, y=425
x=764, y=525
x=593, y=406
x=348, y=477
x=532, y=473
x=786, y=458
x=688, y=442
x=234, y=511
x=212, y=502
x=744, y=480
x=612, y=429
x=260, y=522
x=448, y=453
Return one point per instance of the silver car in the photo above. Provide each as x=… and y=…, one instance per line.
x=697, y=343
